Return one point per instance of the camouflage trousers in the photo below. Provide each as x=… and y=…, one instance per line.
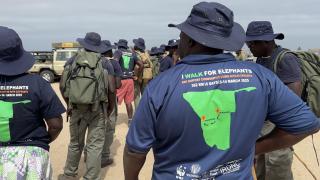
x=83, y=120
x=274, y=165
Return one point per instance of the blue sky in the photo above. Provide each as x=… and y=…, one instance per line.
x=41, y=22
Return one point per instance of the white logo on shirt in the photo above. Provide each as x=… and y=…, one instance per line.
x=195, y=168
x=181, y=171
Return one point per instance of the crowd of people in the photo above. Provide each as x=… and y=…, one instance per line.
x=239, y=121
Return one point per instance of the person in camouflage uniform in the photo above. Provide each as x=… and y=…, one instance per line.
x=146, y=75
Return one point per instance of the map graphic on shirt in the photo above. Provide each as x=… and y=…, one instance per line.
x=6, y=113
x=214, y=109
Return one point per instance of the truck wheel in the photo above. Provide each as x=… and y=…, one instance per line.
x=47, y=75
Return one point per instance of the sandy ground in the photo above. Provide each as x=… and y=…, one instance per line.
x=58, y=154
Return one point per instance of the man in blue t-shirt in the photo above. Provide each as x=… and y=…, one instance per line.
x=111, y=120
x=127, y=61
x=260, y=38
x=203, y=117
x=168, y=61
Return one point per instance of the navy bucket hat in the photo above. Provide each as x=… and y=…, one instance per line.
x=92, y=42
x=172, y=43
x=154, y=51
x=211, y=24
x=14, y=60
x=262, y=31
x=139, y=43
x=109, y=45
x=122, y=43
x=162, y=48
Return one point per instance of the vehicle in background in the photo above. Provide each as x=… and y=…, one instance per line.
x=50, y=65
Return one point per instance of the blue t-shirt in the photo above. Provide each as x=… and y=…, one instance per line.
x=106, y=64
x=166, y=63
x=288, y=70
x=26, y=101
x=116, y=67
x=202, y=118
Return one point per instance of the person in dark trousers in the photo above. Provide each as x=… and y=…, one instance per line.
x=113, y=69
x=85, y=118
x=260, y=39
x=112, y=119
x=127, y=61
x=224, y=104
x=140, y=52
x=168, y=61
x=30, y=113
x=115, y=64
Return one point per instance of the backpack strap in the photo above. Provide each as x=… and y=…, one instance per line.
x=279, y=58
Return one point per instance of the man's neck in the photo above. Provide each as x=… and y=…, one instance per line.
x=206, y=53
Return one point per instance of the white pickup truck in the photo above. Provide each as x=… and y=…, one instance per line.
x=50, y=65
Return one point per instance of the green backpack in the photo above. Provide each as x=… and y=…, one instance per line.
x=310, y=67
x=83, y=81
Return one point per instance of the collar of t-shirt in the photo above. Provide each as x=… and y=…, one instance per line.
x=207, y=59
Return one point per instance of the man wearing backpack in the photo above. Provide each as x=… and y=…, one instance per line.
x=87, y=91
x=155, y=57
x=127, y=61
x=260, y=38
x=146, y=75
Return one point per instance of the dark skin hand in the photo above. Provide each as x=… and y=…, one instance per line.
x=140, y=68
x=132, y=163
x=55, y=126
x=278, y=139
x=118, y=82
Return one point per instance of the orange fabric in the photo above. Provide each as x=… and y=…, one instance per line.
x=126, y=91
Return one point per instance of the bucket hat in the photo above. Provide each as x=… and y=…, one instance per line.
x=14, y=60
x=122, y=43
x=109, y=45
x=154, y=51
x=172, y=43
x=92, y=42
x=211, y=24
x=262, y=31
x=139, y=43
x=162, y=48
